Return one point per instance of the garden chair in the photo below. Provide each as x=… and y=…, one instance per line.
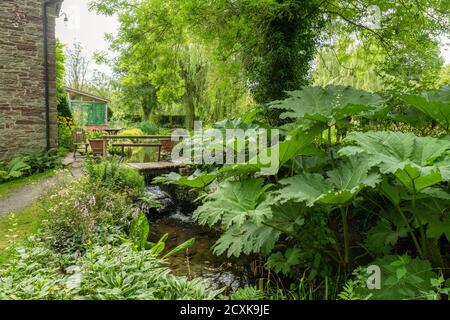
x=79, y=140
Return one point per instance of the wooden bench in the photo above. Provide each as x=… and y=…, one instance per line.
x=127, y=144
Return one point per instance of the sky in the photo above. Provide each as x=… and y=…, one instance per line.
x=85, y=27
x=89, y=29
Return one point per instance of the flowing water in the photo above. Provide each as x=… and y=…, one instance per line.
x=199, y=261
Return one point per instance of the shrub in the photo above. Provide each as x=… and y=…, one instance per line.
x=148, y=127
x=28, y=164
x=401, y=277
x=132, y=132
x=65, y=127
x=43, y=161
x=113, y=174
x=16, y=168
x=83, y=212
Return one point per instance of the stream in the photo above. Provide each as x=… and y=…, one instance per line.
x=199, y=261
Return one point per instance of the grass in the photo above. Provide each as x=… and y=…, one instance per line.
x=11, y=186
x=18, y=226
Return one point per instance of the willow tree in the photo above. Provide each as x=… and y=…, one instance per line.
x=366, y=66
x=273, y=41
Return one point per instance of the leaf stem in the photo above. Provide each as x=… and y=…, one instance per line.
x=345, y=229
x=411, y=232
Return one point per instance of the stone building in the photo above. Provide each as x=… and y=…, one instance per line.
x=25, y=124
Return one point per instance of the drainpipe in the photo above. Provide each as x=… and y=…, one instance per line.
x=45, y=5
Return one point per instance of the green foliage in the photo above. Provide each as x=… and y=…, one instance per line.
x=417, y=162
x=101, y=273
x=63, y=104
x=65, y=128
x=434, y=104
x=385, y=194
x=132, y=132
x=196, y=180
x=94, y=134
x=328, y=105
x=401, y=278
x=342, y=184
x=233, y=203
x=16, y=168
x=248, y=293
x=83, y=252
x=381, y=237
x=148, y=127
x=84, y=212
x=181, y=248
x=283, y=263
x=240, y=208
x=115, y=175
x=139, y=232
x=28, y=164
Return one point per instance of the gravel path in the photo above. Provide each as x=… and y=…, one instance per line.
x=28, y=194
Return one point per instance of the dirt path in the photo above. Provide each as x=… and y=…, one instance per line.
x=26, y=195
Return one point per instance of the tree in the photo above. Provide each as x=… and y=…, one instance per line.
x=273, y=41
x=444, y=76
x=160, y=61
x=62, y=103
x=77, y=67
x=366, y=67
x=398, y=38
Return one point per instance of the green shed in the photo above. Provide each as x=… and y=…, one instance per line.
x=87, y=109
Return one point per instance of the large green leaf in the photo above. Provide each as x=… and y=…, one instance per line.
x=434, y=104
x=417, y=162
x=247, y=238
x=342, y=184
x=285, y=262
x=139, y=231
x=297, y=142
x=328, y=104
x=438, y=226
x=348, y=179
x=180, y=248
x=235, y=202
x=197, y=180
x=382, y=237
x=306, y=188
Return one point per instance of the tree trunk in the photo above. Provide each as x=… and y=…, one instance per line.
x=189, y=107
x=146, y=108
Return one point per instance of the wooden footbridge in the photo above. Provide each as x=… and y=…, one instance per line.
x=149, y=169
x=160, y=166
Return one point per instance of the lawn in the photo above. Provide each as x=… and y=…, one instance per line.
x=18, y=226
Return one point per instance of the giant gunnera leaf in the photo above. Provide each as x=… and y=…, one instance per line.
x=197, y=180
x=338, y=188
x=417, y=162
x=328, y=104
x=247, y=238
x=240, y=207
x=434, y=104
x=233, y=203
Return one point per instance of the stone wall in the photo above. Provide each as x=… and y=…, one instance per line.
x=22, y=86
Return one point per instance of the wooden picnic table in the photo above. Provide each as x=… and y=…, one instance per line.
x=130, y=145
